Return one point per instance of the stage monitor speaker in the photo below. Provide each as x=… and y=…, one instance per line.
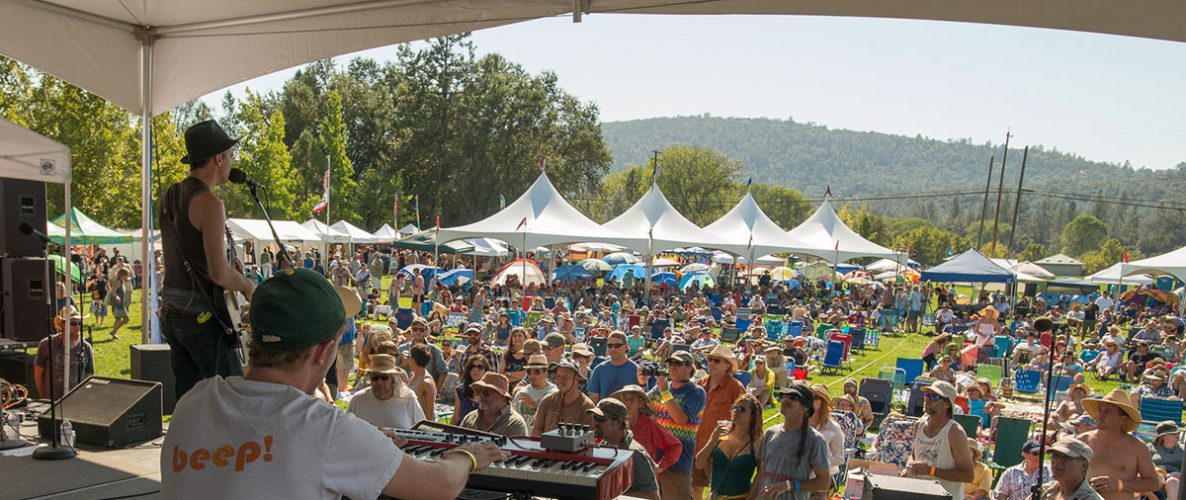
x=152, y=362
x=879, y=487
x=110, y=412
x=24, y=316
x=21, y=201
x=17, y=367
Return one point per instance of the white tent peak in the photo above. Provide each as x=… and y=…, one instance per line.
x=1171, y=263
x=385, y=234
x=653, y=216
x=356, y=234
x=327, y=233
x=747, y=230
x=829, y=237
x=539, y=217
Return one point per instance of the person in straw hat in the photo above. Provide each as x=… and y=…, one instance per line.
x=82, y=355
x=721, y=390
x=940, y=446
x=230, y=437
x=387, y=402
x=494, y=413
x=611, y=425
x=822, y=422
x=1069, y=463
x=1073, y=407
x=1121, y=464
x=1153, y=384
x=528, y=396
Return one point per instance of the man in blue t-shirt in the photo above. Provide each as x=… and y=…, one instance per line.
x=607, y=378
x=677, y=408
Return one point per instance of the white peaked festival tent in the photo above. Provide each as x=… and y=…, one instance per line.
x=828, y=238
x=258, y=230
x=328, y=234
x=540, y=217
x=659, y=225
x=1112, y=276
x=885, y=265
x=1172, y=263
x=149, y=56
x=357, y=235
x=29, y=156
x=385, y=234
x=748, y=232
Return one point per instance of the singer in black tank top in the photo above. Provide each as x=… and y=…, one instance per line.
x=192, y=220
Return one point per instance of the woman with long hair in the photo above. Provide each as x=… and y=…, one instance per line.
x=121, y=299
x=831, y=431
x=514, y=362
x=476, y=366
x=502, y=330
x=932, y=351
x=731, y=452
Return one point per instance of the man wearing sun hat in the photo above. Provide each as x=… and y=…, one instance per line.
x=494, y=412
x=231, y=437
x=1121, y=464
x=82, y=355
x=612, y=426
x=1069, y=463
x=940, y=448
x=535, y=387
x=387, y=401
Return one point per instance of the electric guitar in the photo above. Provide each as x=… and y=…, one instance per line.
x=235, y=303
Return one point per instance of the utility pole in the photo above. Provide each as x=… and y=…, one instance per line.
x=1000, y=188
x=984, y=206
x=1017, y=201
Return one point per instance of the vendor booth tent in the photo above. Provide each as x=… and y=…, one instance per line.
x=258, y=230
x=1112, y=276
x=539, y=217
x=485, y=247
x=357, y=235
x=85, y=231
x=408, y=230
x=969, y=267
x=1172, y=263
x=1031, y=269
x=327, y=233
x=426, y=241
x=385, y=234
x=827, y=237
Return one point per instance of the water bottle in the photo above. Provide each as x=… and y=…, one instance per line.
x=14, y=423
x=67, y=434
x=790, y=369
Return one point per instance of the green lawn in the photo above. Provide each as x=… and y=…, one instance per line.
x=112, y=356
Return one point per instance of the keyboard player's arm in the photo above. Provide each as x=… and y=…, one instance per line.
x=449, y=473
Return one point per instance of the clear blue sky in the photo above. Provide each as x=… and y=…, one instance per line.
x=1103, y=97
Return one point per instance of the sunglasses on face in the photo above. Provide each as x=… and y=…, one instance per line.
x=740, y=408
x=615, y=345
x=380, y=378
x=932, y=396
x=716, y=360
x=420, y=330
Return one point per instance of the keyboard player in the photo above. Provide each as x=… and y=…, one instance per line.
x=238, y=436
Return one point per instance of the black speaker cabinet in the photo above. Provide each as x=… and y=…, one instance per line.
x=110, y=412
x=21, y=201
x=152, y=362
x=17, y=367
x=24, y=315
x=878, y=487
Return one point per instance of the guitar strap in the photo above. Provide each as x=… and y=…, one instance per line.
x=171, y=214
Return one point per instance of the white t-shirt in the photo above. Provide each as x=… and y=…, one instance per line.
x=236, y=438
x=1104, y=303
x=396, y=412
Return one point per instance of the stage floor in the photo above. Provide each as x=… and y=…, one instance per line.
x=96, y=473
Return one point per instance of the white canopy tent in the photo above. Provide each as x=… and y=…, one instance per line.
x=829, y=238
x=1171, y=263
x=539, y=217
x=487, y=247
x=1030, y=269
x=658, y=225
x=386, y=234
x=885, y=265
x=327, y=233
x=747, y=231
x=151, y=55
x=257, y=229
x=1112, y=276
x=356, y=234
x=29, y=156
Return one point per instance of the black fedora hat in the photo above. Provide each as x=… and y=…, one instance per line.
x=204, y=140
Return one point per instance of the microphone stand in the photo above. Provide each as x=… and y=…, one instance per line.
x=1036, y=489
x=254, y=188
x=53, y=451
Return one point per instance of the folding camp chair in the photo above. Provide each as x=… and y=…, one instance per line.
x=549, y=302
x=880, y=394
x=454, y=320
x=743, y=323
x=858, y=338
x=847, y=339
x=928, y=319
x=1162, y=350
x=743, y=313
x=1027, y=381
x=403, y=318
x=976, y=407
x=730, y=334
x=896, y=376
x=743, y=377
x=795, y=328
x=1062, y=382
x=533, y=317
x=657, y=328
x=833, y=357
x=914, y=403
x=773, y=329
x=1002, y=346
x=872, y=339
x=1161, y=409
x=822, y=329
x=992, y=372
x=970, y=423
x=716, y=312
x=913, y=368
x=1012, y=433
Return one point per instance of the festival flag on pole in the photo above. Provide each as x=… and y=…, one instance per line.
x=418, y=211
x=837, y=245
x=541, y=162
x=325, y=192
x=395, y=208
x=522, y=223
x=748, y=182
x=1125, y=257
x=907, y=249
x=438, y=225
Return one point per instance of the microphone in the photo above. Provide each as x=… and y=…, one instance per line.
x=238, y=176
x=27, y=229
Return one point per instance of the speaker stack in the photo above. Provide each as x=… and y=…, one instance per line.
x=23, y=314
x=110, y=412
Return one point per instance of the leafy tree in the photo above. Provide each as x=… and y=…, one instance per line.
x=786, y=206
x=265, y=158
x=1032, y=252
x=929, y=244
x=342, y=184
x=1083, y=234
x=699, y=182
x=1108, y=254
x=865, y=223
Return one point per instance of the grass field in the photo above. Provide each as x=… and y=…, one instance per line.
x=112, y=357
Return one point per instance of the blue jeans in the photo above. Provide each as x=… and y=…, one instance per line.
x=198, y=350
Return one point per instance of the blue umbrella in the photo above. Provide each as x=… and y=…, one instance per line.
x=571, y=272
x=702, y=278
x=665, y=278
x=638, y=271
x=618, y=258
x=424, y=270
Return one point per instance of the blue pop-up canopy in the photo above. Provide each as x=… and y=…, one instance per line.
x=969, y=267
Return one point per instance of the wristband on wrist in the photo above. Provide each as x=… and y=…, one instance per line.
x=787, y=483
x=1119, y=486
x=932, y=471
x=472, y=458
x=796, y=485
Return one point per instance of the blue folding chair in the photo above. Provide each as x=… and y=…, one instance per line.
x=743, y=377
x=1062, y=382
x=1002, y=346
x=833, y=357
x=913, y=368
x=1027, y=381
x=716, y=313
x=1161, y=409
x=795, y=328
x=774, y=327
x=872, y=339
x=743, y=324
x=403, y=318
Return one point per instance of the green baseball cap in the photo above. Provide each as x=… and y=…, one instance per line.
x=295, y=309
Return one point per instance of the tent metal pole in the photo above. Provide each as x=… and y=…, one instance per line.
x=650, y=266
x=148, y=281
x=65, y=263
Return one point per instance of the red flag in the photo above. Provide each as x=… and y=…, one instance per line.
x=321, y=205
x=521, y=224
x=1126, y=257
x=837, y=244
x=907, y=248
x=438, y=224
